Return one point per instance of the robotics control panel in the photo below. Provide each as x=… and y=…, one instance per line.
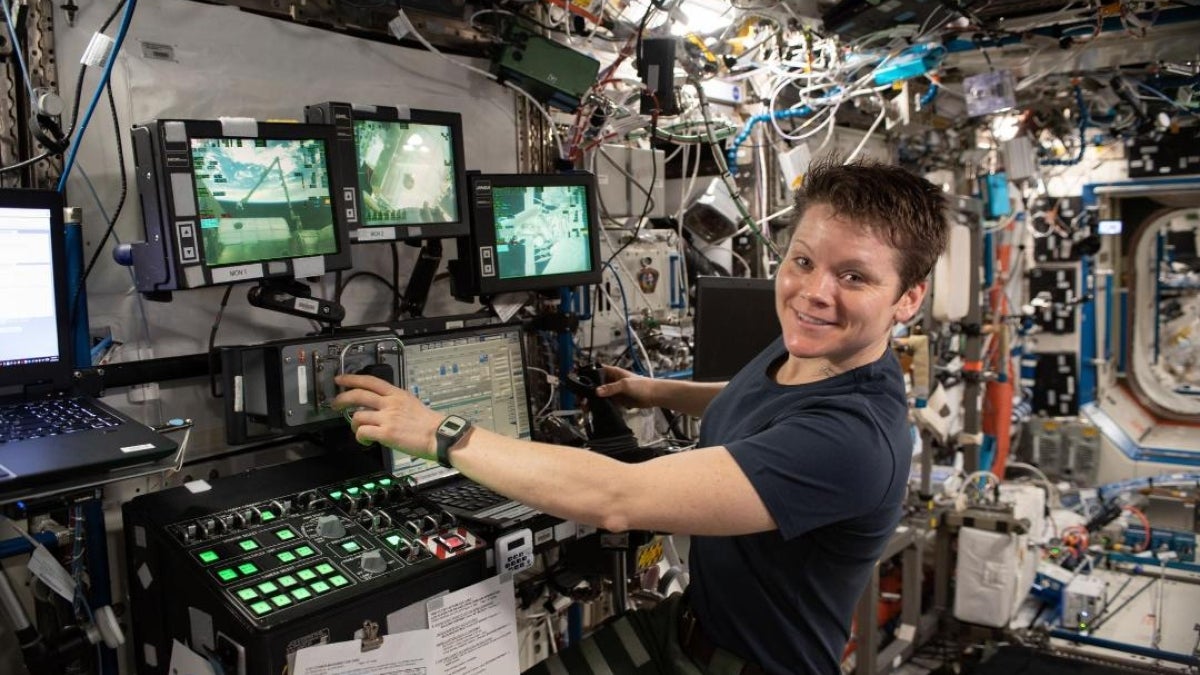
x=284, y=557
x=287, y=386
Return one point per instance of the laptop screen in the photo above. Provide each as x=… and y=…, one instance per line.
x=478, y=374
x=28, y=306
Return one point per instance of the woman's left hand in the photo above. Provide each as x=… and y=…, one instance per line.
x=389, y=415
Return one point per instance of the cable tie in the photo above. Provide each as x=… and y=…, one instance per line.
x=400, y=26
x=98, y=51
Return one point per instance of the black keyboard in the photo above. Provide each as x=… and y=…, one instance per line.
x=467, y=496
x=50, y=417
x=477, y=502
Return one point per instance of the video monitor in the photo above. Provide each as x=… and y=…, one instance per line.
x=237, y=200
x=260, y=200
x=534, y=232
x=735, y=320
x=407, y=165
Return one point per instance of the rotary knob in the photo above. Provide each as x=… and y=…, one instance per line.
x=373, y=562
x=330, y=527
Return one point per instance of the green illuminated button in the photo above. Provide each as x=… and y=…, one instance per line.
x=260, y=608
x=306, y=575
x=320, y=587
x=248, y=544
x=247, y=594
x=350, y=546
x=325, y=569
x=338, y=580
x=368, y=486
x=285, y=534
x=208, y=557
x=352, y=491
x=247, y=568
x=384, y=482
x=267, y=516
x=301, y=594
x=281, y=600
x=227, y=574
x=335, y=495
x=287, y=581
x=286, y=556
x=393, y=540
x=304, y=551
x=267, y=588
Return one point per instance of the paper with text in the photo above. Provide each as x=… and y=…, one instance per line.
x=408, y=653
x=475, y=629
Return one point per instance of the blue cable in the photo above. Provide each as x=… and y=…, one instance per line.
x=744, y=136
x=87, y=116
x=928, y=96
x=637, y=365
x=16, y=47
x=1084, y=121
x=1110, y=490
x=1166, y=98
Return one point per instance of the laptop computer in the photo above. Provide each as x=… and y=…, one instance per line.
x=47, y=433
x=479, y=374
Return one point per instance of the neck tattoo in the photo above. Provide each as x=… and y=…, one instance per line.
x=828, y=371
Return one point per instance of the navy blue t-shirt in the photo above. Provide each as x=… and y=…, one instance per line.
x=830, y=461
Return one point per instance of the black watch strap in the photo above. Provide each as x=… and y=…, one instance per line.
x=448, y=434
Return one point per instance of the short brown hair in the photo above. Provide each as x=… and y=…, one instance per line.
x=903, y=209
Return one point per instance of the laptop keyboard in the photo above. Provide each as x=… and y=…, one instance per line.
x=50, y=417
x=480, y=502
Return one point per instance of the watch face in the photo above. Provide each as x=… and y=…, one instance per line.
x=452, y=425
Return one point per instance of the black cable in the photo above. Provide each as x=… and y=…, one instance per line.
x=24, y=163
x=82, y=283
x=641, y=219
x=395, y=281
x=649, y=199
x=672, y=423
x=338, y=295
x=637, y=51
x=212, y=342
x=592, y=334
x=83, y=70
x=112, y=223
x=75, y=106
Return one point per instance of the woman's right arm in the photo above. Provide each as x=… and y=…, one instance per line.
x=635, y=391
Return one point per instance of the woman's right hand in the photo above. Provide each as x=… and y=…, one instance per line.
x=627, y=389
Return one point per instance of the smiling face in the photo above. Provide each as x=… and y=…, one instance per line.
x=838, y=294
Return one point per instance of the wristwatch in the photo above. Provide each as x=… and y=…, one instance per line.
x=450, y=432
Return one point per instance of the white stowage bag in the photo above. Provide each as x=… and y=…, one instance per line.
x=993, y=576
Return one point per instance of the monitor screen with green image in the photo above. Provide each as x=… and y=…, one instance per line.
x=541, y=230
x=261, y=199
x=533, y=232
x=407, y=172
